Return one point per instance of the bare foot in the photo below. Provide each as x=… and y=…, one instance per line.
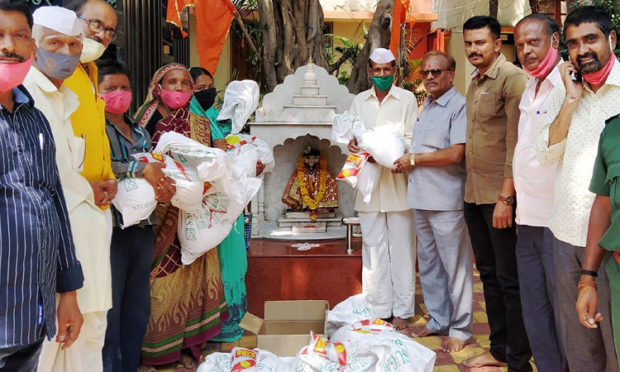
x=451, y=344
x=418, y=331
x=186, y=363
x=483, y=360
x=143, y=368
x=400, y=323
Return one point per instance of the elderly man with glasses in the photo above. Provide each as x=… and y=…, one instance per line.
x=436, y=169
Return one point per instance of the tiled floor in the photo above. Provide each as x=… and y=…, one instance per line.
x=445, y=362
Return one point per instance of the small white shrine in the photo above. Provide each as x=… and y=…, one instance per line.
x=297, y=114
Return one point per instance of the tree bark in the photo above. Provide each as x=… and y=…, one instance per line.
x=292, y=37
x=378, y=37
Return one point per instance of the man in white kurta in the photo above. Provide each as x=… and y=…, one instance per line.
x=388, y=240
x=55, y=26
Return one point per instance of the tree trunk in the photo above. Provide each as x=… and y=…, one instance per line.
x=493, y=8
x=378, y=37
x=292, y=37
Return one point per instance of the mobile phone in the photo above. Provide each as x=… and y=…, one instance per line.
x=575, y=75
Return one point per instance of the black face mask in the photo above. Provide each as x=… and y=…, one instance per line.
x=206, y=97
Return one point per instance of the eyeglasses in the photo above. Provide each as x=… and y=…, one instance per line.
x=436, y=72
x=96, y=25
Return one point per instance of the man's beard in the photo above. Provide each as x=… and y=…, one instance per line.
x=589, y=67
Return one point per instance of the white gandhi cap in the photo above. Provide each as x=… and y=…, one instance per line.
x=58, y=19
x=381, y=55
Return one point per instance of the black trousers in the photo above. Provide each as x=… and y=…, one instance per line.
x=494, y=250
x=20, y=358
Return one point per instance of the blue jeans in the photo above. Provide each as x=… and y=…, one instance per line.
x=20, y=358
x=539, y=296
x=494, y=250
x=131, y=254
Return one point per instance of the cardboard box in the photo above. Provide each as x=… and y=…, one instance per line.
x=287, y=325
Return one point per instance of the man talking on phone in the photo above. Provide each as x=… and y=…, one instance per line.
x=570, y=137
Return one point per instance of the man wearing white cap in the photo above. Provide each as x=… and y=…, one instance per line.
x=58, y=35
x=388, y=249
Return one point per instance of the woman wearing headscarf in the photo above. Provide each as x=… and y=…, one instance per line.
x=231, y=251
x=187, y=302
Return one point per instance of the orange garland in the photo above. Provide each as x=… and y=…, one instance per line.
x=312, y=203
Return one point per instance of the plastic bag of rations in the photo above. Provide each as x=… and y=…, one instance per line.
x=135, y=200
x=384, y=143
x=201, y=231
x=321, y=354
x=246, y=360
x=247, y=150
x=344, y=126
x=349, y=311
x=361, y=174
x=208, y=161
x=380, y=348
x=188, y=194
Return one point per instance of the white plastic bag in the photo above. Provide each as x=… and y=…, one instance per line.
x=135, y=200
x=248, y=149
x=361, y=174
x=349, y=311
x=240, y=101
x=344, y=126
x=384, y=143
x=264, y=361
x=188, y=194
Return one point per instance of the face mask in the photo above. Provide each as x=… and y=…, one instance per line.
x=91, y=50
x=56, y=66
x=206, y=97
x=546, y=65
x=383, y=83
x=117, y=102
x=598, y=77
x=175, y=99
x=13, y=74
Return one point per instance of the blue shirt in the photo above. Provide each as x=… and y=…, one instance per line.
x=441, y=124
x=37, y=255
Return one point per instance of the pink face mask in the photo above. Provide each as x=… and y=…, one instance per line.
x=598, y=77
x=13, y=74
x=545, y=66
x=117, y=102
x=175, y=99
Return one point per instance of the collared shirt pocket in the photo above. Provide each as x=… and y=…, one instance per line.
x=488, y=105
x=614, y=189
x=78, y=152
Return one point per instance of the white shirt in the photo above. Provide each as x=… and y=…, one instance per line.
x=534, y=182
x=399, y=110
x=575, y=157
x=88, y=224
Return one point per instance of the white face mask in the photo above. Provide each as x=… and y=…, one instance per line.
x=91, y=50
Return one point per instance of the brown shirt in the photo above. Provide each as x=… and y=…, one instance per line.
x=492, y=122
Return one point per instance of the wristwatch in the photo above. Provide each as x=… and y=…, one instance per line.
x=412, y=159
x=508, y=200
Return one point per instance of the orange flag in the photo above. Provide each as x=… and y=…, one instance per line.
x=399, y=15
x=213, y=19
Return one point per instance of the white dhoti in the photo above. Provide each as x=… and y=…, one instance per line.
x=92, y=234
x=388, y=258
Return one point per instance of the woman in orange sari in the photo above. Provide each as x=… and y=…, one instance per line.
x=187, y=302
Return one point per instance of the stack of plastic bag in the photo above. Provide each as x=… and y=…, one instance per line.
x=344, y=128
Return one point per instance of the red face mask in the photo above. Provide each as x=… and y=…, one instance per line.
x=13, y=74
x=175, y=99
x=545, y=66
x=117, y=102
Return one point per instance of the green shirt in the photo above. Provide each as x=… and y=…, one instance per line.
x=605, y=179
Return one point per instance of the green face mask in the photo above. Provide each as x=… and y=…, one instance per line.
x=383, y=83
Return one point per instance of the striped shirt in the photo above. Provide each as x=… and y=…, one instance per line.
x=37, y=255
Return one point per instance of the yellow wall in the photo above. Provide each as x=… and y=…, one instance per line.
x=352, y=30
x=222, y=74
